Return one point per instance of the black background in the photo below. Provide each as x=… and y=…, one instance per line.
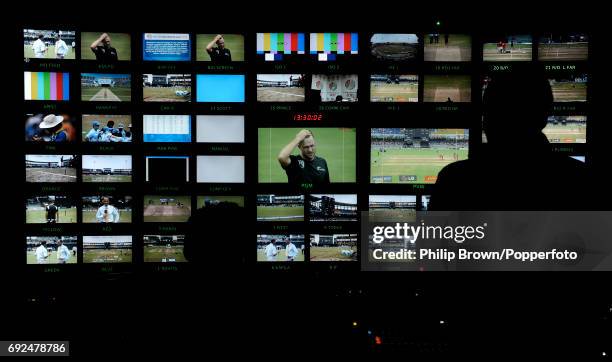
x=151, y=311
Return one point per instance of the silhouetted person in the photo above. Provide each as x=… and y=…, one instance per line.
x=216, y=237
x=226, y=296
x=517, y=169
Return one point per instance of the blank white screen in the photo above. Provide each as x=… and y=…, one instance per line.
x=229, y=169
x=221, y=129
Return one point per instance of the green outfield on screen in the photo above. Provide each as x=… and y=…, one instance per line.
x=239, y=200
x=403, y=92
x=119, y=41
x=39, y=216
x=280, y=257
x=155, y=212
x=519, y=52
x=233, y=42
x=280, y=213
x=418, y=165
x=336, y=145
x=331, y=253
x=570, y=133
x=107, y=256
x=439, y=88
x=564, y=51
x=165, y=94
x=106, y=94
x=458, y=49
x=50, y=54
x=160, y=254
x=382, y=215
x=107, y=178
x=89, y=216
x=52, y=259
x=569, y=91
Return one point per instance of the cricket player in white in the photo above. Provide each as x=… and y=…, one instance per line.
x=41, y=253
x=63, y=253
x=107, y=213
x=271, y=251
x=39, y=47
x=290, y=250
x=61, y=49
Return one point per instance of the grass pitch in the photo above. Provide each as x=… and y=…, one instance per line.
x=165, y=94
x=439, y=88
x=520, y=52
x=570, y=133
x=569, y=91
x=164, y=254
x=458, y=49
x=411, y=165
x=385, y=215
x=107, y=178
x=280, y=94
x=395, y=51
x=50, y=54
x=106, y=94
x=107, y=256
x=58, y=174
x=564, y=51
x=280, y=257
x=278, y=213
x=403, y=92
x=332, y=253
x=89, y=216
x=155, y=212
x=38, y=216
x=52, y=259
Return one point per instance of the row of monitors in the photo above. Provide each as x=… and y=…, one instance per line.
x=118, y=128
x=230, y=129
x=118, y=208
x=118, y=168
x=230, y=88
x=168, y=248
x=114, y=208
x=397, y=155
x=226, y=48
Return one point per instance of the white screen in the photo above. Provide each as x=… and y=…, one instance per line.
x=229, y=169
x=220, y=129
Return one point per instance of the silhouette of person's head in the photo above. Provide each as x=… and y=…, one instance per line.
x=516, y=107
x=215, y=235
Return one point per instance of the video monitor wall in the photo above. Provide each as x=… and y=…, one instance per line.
x=129, y=132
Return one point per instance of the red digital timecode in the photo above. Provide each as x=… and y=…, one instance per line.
x=308, y=117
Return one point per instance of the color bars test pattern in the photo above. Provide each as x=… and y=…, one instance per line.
x=274, y=45
x=327, y=45
x=46, y=86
